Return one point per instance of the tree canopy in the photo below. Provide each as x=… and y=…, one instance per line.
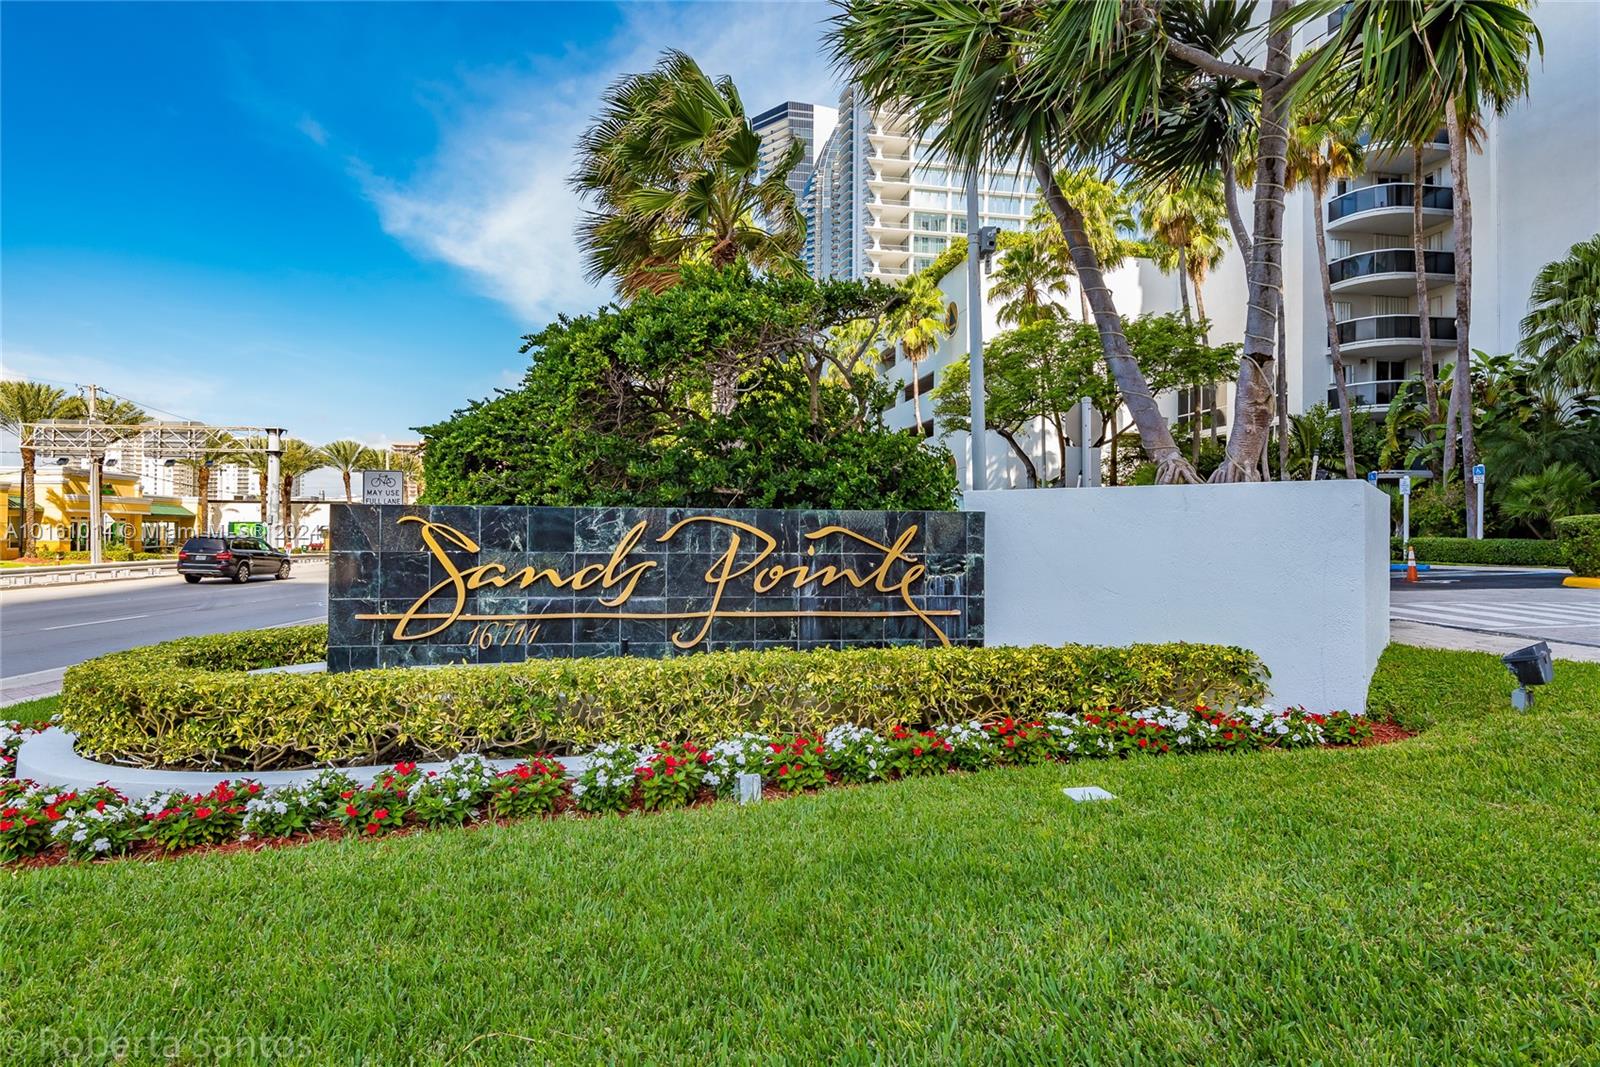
x=616, y=407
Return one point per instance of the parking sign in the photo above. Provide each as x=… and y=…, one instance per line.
x=383, y=487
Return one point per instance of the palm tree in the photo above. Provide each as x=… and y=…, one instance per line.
x=1032, y=271
x=1108, y=221
x=963, y=75
x=1561, y=332
x=1325, y=147
x=409, y=466
x=23, y=403
x=918, y=322
x=673, y=169
x=1419, y=263
x=1423, y=60
x=216, y=448
x=346, y=456
x=1187, y=234
x=298, y=458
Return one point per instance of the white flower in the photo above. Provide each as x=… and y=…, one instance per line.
x=101, y=844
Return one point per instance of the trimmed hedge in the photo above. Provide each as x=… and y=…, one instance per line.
x=1501, y=551
x=1579, y=538
x=186, y=704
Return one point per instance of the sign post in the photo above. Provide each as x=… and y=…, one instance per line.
x=1478, y=472
x=1405, y=509
x=383, y=487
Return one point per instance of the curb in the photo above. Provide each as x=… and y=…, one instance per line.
x=49, y=757
x=1574, y=582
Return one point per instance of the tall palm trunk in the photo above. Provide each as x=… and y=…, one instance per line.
x=1340, y=386
x=1462, y=199
x=25, y=538
x=1194, y=390
x=916, y=393
x=1430, y=376
x=1154, y=433
x=1282, y=371
x=346, y=475
x=202, y=508
x=1210, y=388
x=261, y=484
x=1252, y=400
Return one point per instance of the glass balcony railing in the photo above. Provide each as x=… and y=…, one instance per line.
x=1394, y=327
x=1373, y=197
x=1369, y=394
x=1388, y=261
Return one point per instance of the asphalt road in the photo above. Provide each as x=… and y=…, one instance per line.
x=56, y=626
x=1531, y=604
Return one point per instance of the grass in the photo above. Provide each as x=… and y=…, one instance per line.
x=31, y=712
x=1430, y=901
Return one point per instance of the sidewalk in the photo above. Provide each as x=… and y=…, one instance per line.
x=20, y=687
x=1425, y=636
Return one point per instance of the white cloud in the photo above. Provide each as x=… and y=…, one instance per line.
x=494, y=201
x=312, y=129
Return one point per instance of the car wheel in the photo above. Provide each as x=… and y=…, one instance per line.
x=243, y=573
x=192, y=579
x=283, y=570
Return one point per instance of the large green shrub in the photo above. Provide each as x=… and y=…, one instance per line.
x=187, y=702
x=1579, y=538
x=1496, y=551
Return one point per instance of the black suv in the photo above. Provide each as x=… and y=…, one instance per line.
x=230, y=557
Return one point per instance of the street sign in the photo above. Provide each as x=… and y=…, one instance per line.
x=1477, y=472
x=1372, y=476
x=1405, y=485
x=383, y=487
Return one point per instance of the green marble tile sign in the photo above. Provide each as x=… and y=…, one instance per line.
x=420, y=585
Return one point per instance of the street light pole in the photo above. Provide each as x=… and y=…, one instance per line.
x=978, y=466
x=274, y=488
x=96, y=554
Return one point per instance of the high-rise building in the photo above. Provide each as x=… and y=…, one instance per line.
x=1524, y=215
x=782, y=126
x=884, y=202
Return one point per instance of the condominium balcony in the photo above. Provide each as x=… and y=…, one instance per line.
x=1386, y=208
x=1385, y=335
x=889, y=139
x=890, y=185
x=1383, y=155
x=1388, y=271
x=890, y=211
x=889, y=229
x=1369, y=396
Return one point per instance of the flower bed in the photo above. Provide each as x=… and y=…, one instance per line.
x=188, y=703
x=42, y=824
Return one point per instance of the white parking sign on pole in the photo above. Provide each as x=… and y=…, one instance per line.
x=383, y=487
x=1478, y=472
x=1405, y=509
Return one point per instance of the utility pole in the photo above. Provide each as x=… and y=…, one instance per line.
x=978, y=466
x=96, y=555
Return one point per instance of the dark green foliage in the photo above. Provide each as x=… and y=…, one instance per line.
x=1495, y=551
x=726, y=390
x=1580, y=544
x=189, y=702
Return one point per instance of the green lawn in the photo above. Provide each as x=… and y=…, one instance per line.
x=1434, y=901
x=30, y=712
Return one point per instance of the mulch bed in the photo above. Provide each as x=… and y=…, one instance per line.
x=1387, y=733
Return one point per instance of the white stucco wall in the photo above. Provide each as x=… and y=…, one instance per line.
x=1298, y=572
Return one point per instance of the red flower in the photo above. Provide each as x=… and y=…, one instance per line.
x=201, y=813
x=254, y=789
x=381, y=813
x=916, y=751
x=372, y=827
x=783, y=770
x=5, y=824
x=405, y=766
x=705, y=757
x=1144, y=742
x=347, y=794
x=350, y=810
x=777, y=746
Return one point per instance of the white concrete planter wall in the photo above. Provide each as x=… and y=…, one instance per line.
x=1297, y=572
x=49, y=758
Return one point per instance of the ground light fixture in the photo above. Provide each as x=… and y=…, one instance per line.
x=1530, y=666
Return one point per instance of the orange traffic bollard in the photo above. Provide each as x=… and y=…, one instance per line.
x=1411, y=564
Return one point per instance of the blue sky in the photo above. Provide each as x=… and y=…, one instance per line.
x=336, y=218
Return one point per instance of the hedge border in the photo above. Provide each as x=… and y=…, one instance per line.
x=188, y=703
x=1579, y=538
x=1500, y=551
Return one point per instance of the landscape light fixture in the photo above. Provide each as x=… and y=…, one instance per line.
x=1530, y=666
